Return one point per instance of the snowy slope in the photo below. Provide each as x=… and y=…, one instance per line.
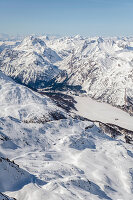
x=22, y=103
x=72, y=162
x=59, y=159
x=103, y=67
x=8, y=45
x=66, y=159
x=64, y=46
x=31, y=62
x=11, y=176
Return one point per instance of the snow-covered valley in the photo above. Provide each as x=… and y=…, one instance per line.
x=52, y=142
x=103, y=112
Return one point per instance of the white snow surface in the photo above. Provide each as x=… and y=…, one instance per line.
x=22, y=103
x=11, y=176
x=102, y=66
x=59, y=159
x=30, y=62
x=64, y=160
x=67, y=161
x=99, y=111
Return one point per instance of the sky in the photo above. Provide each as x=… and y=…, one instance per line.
x=67, y=17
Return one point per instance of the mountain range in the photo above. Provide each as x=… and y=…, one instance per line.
x=59, y=137
x=101, y=66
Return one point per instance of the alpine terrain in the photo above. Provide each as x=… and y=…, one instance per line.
x=66, y=118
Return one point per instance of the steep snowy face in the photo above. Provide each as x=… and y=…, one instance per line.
x=8, y=45
x=103, y=67
x=33, y=44
x=64, y=46
x=22, y=103
x=31, y=62
x=11, y=176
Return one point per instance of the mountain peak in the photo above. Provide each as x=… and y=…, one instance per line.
x=31, y=42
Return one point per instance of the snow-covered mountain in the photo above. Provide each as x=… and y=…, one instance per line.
x=101, y=66
x=11, y=176
x=8, y=45
x=31, y=62
x=70, y=159
x=48, y=153
x=24, y=104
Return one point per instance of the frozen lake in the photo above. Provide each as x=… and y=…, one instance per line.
x=103, y=112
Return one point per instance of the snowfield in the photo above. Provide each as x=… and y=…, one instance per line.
x=68, y=162
x=103, y=112
x=51, y=153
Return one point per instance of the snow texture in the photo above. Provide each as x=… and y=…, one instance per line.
x=66, y=159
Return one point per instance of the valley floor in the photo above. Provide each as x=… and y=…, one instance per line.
x=97, y=111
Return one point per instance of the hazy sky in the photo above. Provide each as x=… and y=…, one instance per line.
x=67, y=17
